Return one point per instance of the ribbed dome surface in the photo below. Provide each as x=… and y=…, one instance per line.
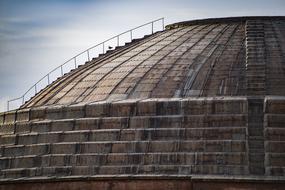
x=197, y=58
x=198, y=106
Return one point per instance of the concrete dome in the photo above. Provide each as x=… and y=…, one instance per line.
x=213, y=57
x=200, y=103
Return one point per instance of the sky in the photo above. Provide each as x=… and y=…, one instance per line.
x=38, y=35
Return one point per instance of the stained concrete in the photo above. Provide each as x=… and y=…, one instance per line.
x=198, y=106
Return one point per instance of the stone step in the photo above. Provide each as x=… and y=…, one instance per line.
x=117, y=159
x=274, y=84
x=255, y=71
x=256, y=91
x=275, y=171
x=275, y=159
x=255, y=56
x=125, y=147
x=252, y=43
x=255, y=52
x=252, y=28
x=255, y=79
x=209, y=133
x=257, y=151
x=257, y=169
x=256, y=158
x=256, y=88
x=171, y=121
x=7, y=129
x=275, y=134
x=274, y=120
x=257, y=145
x=256, y=75
x=253, y=65
x=257, y=85
x=255, y=35
x=256, y=61
x=251, y=25
x=132, y=107
x=274, y=146
x=255, y=132
x=124, y=169
x=252, y=46
x=275, y=105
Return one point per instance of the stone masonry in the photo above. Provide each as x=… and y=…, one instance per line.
x=200, y=105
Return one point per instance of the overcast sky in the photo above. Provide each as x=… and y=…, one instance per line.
x=38, y=35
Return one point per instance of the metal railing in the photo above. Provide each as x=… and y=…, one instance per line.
x=48, y=78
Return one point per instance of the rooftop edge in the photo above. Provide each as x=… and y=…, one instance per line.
x=222, y=19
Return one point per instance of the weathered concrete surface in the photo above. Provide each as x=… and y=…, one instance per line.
x=224, y=57
x=112, y=184
x=151, y=136
x=211, y=136
x=142, y=184
x=190, y=101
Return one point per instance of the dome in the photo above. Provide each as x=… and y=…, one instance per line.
x=199, y=103
x=211, y=57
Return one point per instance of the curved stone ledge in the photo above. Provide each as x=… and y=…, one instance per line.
x=141, y=182
x=131, y=107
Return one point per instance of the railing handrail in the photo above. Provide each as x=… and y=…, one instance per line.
x=81, y=53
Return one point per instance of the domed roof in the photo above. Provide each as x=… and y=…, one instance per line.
x=211, y=57
x=197, y=106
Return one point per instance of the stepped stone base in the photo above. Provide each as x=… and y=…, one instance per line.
x=237, y=137
x=232, y=136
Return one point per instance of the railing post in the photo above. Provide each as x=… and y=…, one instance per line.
x=35, y=88
x=118, y=40
x=103, y=47
x=48, y=78
x=88, y=55
x=151, y=27
x=75, y=62
x=162, y=23
x=131, y=33
x=61, y=70
x=8, y=105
